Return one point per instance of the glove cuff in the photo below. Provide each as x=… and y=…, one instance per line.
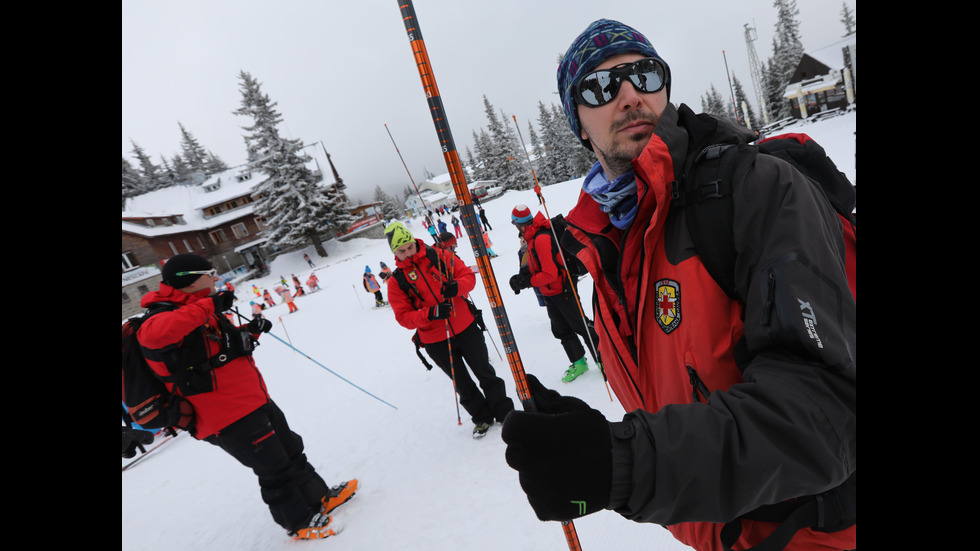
x=621, y=485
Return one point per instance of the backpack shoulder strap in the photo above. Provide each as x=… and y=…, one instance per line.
x=705, y=192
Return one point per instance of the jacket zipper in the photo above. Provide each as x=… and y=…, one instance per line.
x=697, y=385
x=770, y=298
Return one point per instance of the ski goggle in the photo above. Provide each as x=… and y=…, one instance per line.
x=598, y=88
x=212, y=272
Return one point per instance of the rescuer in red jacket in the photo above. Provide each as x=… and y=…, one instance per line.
x=207, y=360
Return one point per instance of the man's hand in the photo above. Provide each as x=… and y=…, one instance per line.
x=223, y=300
x=562, y=452
x=259, y=325
x=450, y=289
x=520, y=281
x=440, y=311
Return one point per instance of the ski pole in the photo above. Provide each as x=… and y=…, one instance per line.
x=470, y=222
x=321, y=365
x=452, y=370
x=284, y=331
x=571, y=283
x=357, y=296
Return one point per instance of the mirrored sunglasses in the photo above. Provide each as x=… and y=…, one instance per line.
x=598, y=88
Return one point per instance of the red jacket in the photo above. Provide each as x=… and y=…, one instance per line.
x=545, y=273
x=413, y=313
x=238, y=386
x=733, y=404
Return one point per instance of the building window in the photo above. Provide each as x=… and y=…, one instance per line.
x=211, y=211
x=125, y=297
x=187, y=245
x=217, y=236
x=239, y=230
x=200, y=242
x=260, y=223
x=129, y=261
x=173, y=247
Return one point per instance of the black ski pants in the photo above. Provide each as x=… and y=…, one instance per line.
x=263, y=442
x=470, y=346
x=567, y=324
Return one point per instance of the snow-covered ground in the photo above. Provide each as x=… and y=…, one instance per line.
x=426, y=484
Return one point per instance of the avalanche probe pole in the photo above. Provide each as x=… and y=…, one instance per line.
x=571, y=282
x=470, y=221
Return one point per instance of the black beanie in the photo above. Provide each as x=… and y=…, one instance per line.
x=184, y=263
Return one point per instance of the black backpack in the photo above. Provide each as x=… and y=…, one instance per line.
x=706, y=188
x=144, y=393
x=573, y=265
x=413, y=293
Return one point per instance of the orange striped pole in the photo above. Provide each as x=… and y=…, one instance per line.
x=470, y=221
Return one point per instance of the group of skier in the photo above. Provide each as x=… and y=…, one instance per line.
x=265, y=300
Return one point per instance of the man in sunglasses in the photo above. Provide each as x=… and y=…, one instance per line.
x=742, y=410
x=205, y=359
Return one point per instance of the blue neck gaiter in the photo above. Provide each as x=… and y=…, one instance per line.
x=616, y=198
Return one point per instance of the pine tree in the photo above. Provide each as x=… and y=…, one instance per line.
x=213, y=164
x=132, y=184
x=475, y=168
x=541, y=171
x=193, y=153
x=149, y=173
x=389, y=206
x=787, y=50
x=296, y=210
x=713, y=103
x=847, y=19
x=500, y=152
x=740, y=98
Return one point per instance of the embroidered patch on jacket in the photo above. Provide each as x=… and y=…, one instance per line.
x=668, y=304
x=413, y=275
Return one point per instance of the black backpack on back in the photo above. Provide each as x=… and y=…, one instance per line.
x=144, y=393
x=706, y=188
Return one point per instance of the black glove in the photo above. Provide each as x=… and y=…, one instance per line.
x=131, y=438
x=440, y=311
x=562, y=452
x=223, y=300
x=450, y=289
x=259, y=325
x=520, y=281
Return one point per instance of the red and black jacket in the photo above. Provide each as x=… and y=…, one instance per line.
x=733, y=405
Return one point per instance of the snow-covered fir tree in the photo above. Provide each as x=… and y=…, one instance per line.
x=740, y=99
x=150, y=174
x=847, y=19
x=499, y=152
x=713, y=103
x=787, y=51
x=131, y=182
x=580, y=159
x=294, y=208
x=390, y=209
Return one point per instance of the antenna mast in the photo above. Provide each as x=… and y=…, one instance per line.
x=756, y=69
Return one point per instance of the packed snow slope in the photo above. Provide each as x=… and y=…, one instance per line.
x=426, y=484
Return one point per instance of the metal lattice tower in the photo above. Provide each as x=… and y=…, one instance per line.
x=756, y=69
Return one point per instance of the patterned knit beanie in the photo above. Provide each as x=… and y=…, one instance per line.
x=521, y=215
x=398, y=235
x=600, y=41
